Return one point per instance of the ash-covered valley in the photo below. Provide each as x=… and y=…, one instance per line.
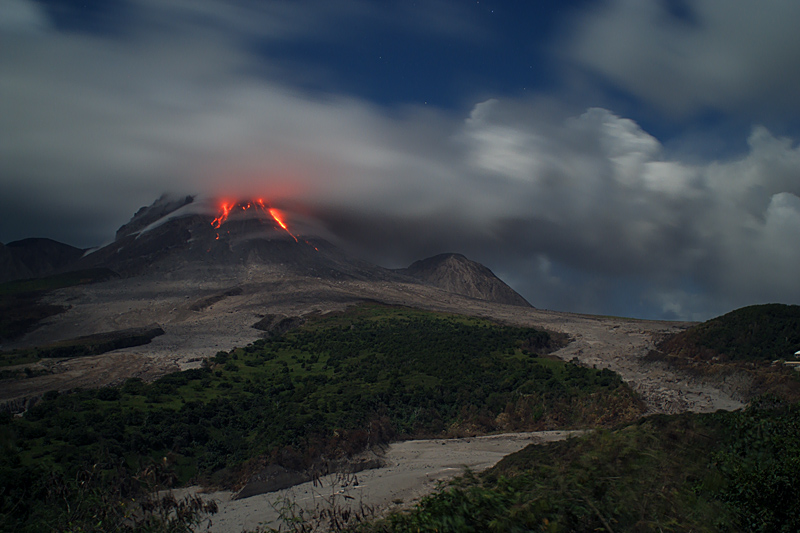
x=212, y=274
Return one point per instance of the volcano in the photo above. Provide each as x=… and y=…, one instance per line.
x=195, y=277
x=209, y=272
x=183, y=235
x=180, y=235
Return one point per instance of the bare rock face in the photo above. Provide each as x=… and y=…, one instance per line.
x=457, y=274
x=152, y=213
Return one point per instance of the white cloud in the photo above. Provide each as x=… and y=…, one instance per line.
x=729, y=54
x=572, y=207
x=22, y=16
x=730, y=227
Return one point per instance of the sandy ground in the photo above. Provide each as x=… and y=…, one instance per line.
x=193, y=334
x=413, y=469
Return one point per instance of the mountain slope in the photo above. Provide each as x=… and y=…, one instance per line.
x=180, y=236
x=755, y=333
x=457, y=274
x=739, y=348
x=30, y=258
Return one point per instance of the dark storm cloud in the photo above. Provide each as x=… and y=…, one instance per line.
x=579, y=209
x=588, y=210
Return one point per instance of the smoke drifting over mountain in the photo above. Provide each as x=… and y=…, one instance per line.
x=577, y=208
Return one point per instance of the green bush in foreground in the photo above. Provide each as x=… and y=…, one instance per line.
x=720, y=472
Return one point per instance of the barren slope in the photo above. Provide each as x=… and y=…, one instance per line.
x=202, y=317
x=457, y=274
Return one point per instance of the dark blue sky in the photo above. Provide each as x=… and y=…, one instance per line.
x=498, y=51
x=630, y=157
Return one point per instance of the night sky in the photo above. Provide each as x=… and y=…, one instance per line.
x=622, y=157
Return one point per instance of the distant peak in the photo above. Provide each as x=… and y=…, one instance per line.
x=456, y=273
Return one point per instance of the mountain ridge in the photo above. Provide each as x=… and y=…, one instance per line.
x=180, y=234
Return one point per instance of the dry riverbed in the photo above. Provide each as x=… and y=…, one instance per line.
x=412, y=469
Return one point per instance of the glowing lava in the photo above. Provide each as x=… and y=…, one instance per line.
x=278, y=218
x=227, y=207
x=223, y=216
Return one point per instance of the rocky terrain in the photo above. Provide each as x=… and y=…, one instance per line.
x=208, y=281
x=411, y=470
x=212, y=284
x=194, y=331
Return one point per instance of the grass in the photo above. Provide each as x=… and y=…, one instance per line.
x=335, y=386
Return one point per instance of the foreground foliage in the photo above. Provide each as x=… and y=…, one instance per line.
x=335, y=387
x=719, y=472
x=740, y=347
x=755, y=333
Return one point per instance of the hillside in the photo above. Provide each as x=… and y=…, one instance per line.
x=713, y=472
x=336, y=386
x=32, y=258
x=459, y=275
x=754, y=333
x=738, y=350
x=726, y=471
x=21, y=301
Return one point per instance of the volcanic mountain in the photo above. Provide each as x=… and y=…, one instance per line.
x=194, y=278
x=455, y=273
x=207, y=273
x=180, y=235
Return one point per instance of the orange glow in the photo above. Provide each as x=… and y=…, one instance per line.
x=278, y=216
x=226, y=208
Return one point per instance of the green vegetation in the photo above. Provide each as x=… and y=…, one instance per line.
x=755, y=333
x=740, y=347
x=20, y=306
x=720, y=472
x=335, y=386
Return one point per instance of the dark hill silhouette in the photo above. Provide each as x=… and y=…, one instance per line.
x=32, y=258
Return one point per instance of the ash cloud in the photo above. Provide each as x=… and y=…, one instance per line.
x=578, y=209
